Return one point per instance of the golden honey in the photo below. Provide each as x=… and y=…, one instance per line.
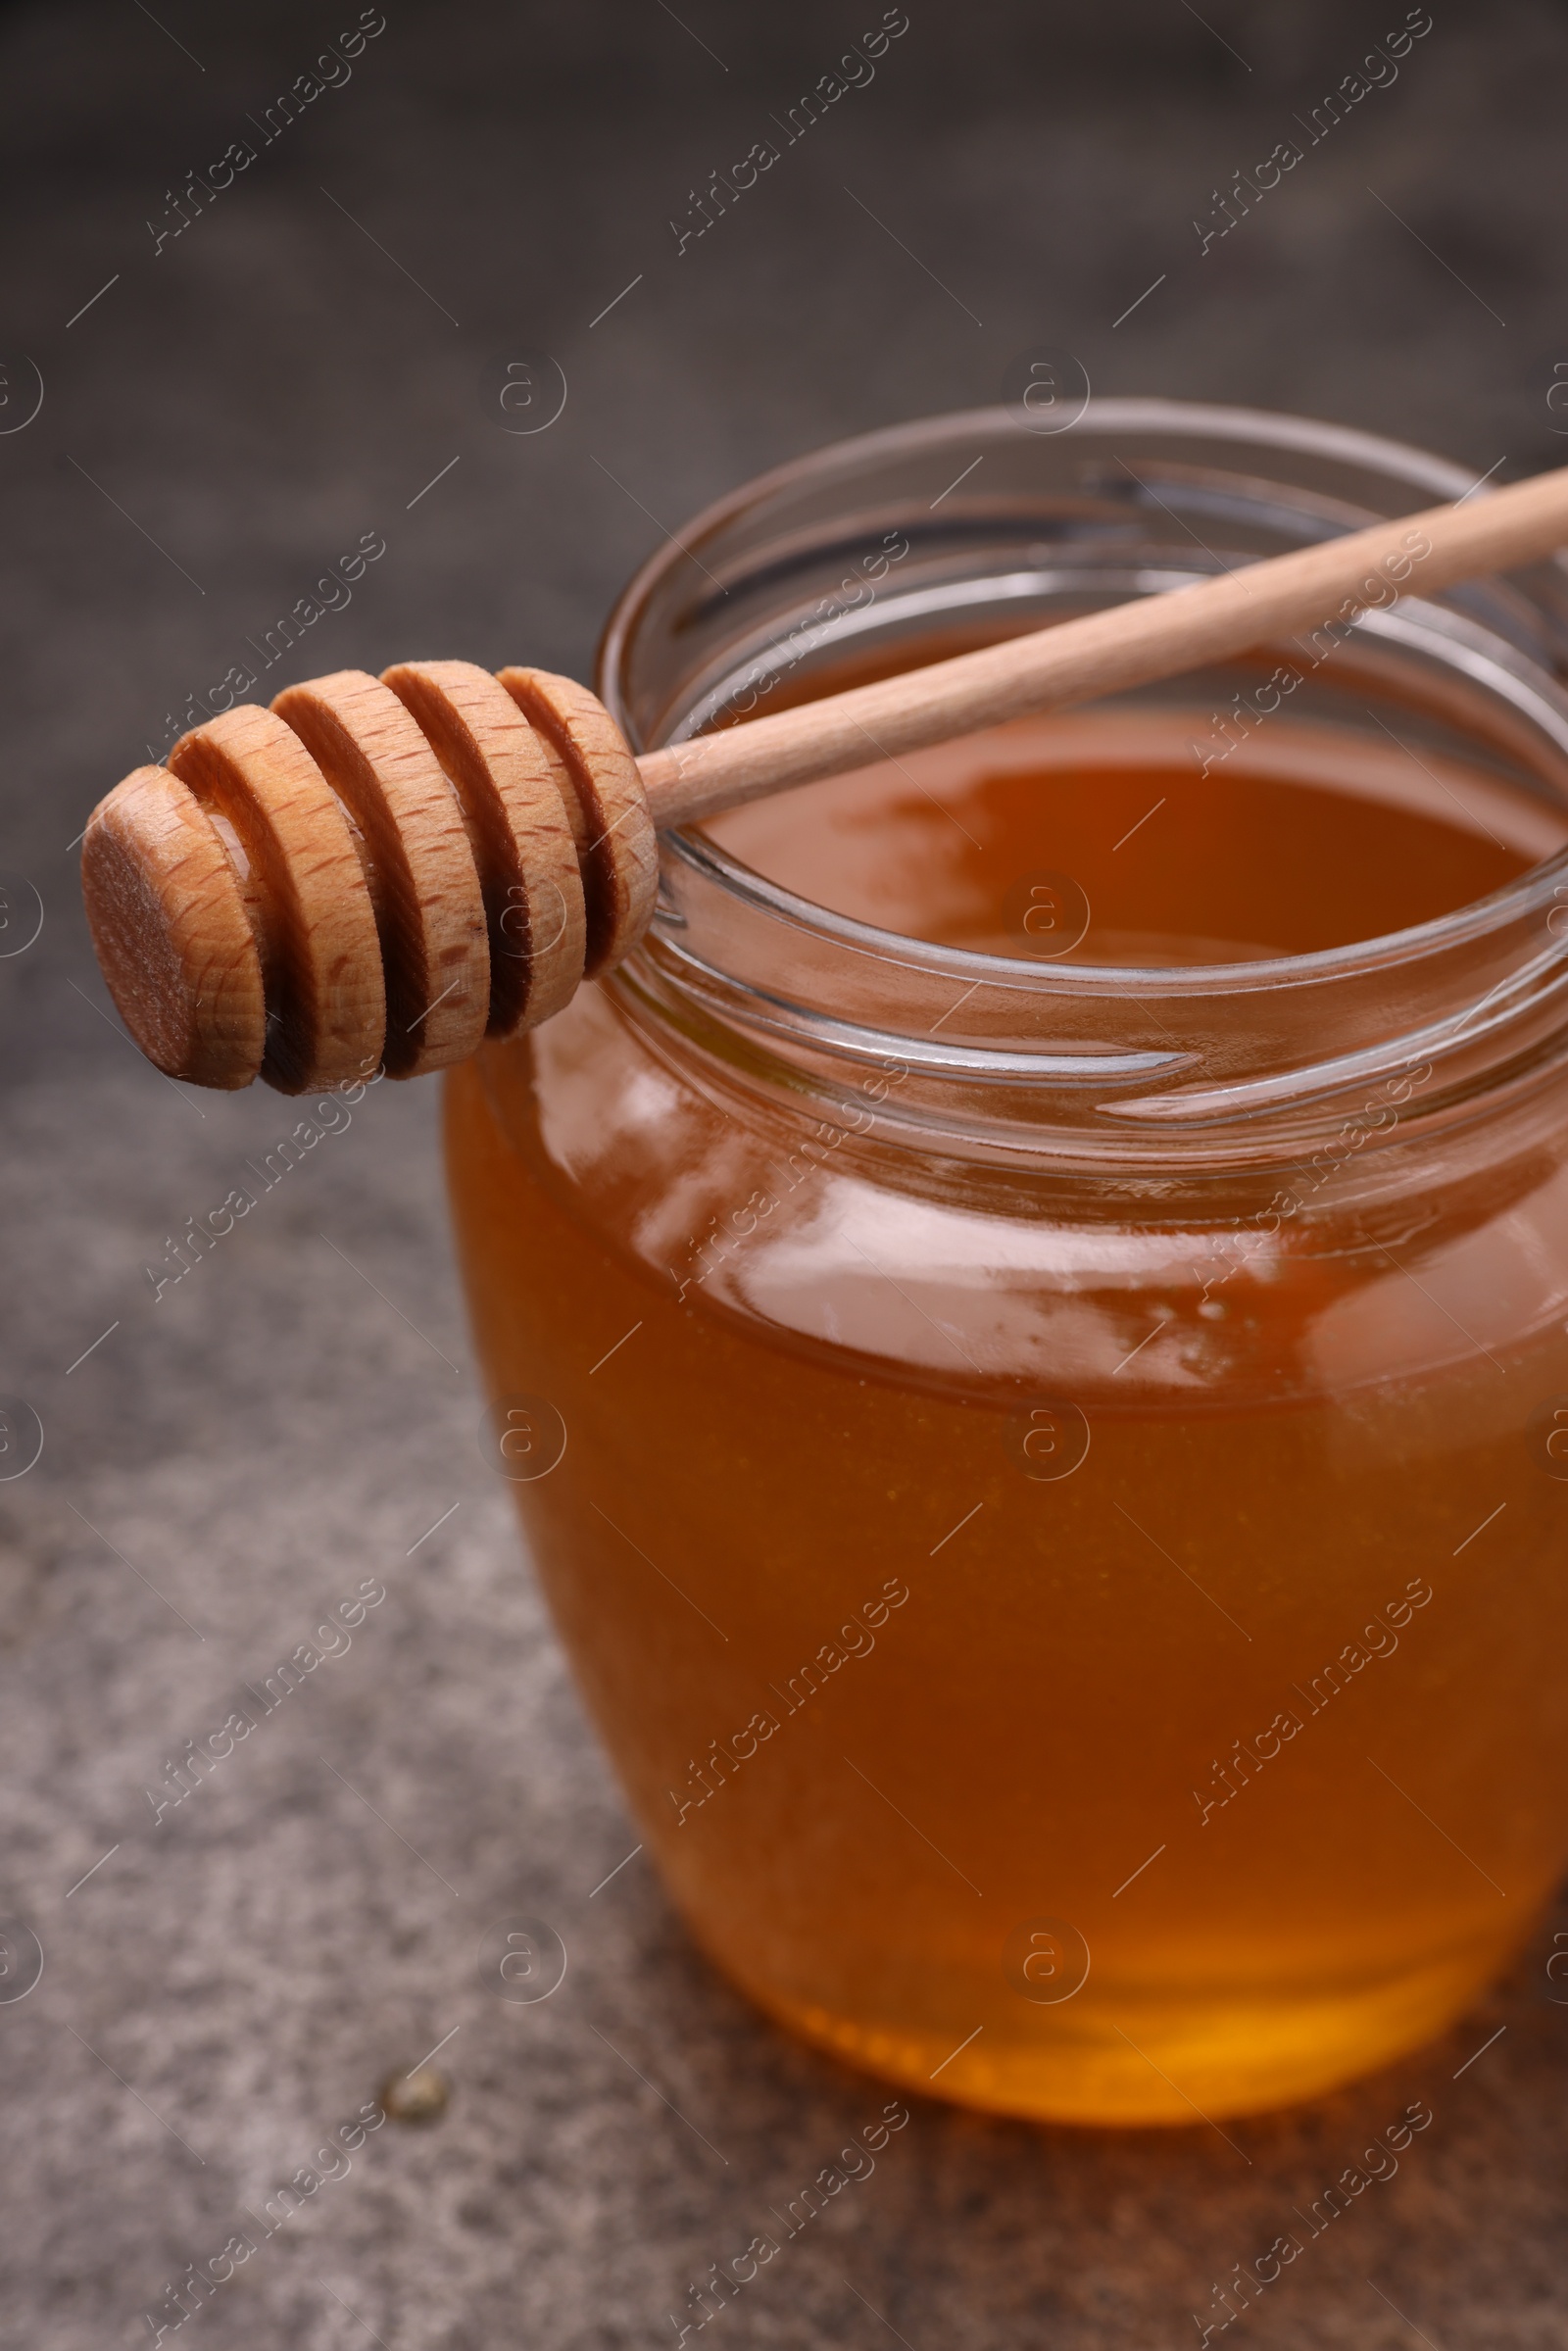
x=1078, y=1624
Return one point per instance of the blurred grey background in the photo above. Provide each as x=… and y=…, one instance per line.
x=311, y=357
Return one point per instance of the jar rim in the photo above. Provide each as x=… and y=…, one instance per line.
x=1262, y=428
x=1502, y=929
x=1259, y=427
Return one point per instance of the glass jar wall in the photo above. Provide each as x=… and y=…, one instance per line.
x=1028, y=1320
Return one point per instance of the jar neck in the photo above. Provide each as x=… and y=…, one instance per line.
x=1247, y=1066
x=1139, y=1069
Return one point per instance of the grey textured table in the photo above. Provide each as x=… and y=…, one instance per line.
x=224, y=413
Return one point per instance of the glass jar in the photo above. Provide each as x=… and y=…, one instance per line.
x=1049, y=1467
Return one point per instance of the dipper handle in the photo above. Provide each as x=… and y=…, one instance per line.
x=1133, y=643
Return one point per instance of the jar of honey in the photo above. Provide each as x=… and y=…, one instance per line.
x=1028, y=1321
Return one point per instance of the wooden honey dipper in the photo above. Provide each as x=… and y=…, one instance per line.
x=385, y=872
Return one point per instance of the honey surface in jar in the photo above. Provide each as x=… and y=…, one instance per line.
x=1192, y=1741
